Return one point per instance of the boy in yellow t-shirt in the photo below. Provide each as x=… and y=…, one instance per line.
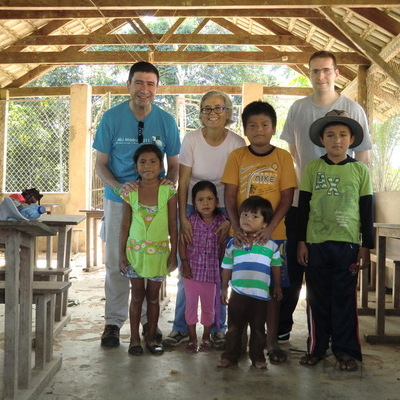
x=261, y=169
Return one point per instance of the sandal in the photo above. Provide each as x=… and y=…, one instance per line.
x=135, y=350
x=155, y=349
x=191, y=347
x=205, y=345
x=277, y=356
x=346, y=362
x=225, y=363
x=310, y=359
x=260, y=365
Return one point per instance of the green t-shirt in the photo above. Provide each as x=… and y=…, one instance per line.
x=334, y=206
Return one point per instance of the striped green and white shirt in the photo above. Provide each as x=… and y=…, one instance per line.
x=251, y=268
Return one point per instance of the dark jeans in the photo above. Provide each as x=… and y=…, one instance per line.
x=242, y=310
x=295, y=270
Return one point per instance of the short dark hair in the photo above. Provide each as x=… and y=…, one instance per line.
x=323, y=54
x=258, y=203
x=257, y=108
x=148, y=148
x=203, y=185
x=143, y=66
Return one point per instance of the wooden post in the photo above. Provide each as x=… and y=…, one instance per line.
x=4, y=97
x=362, y=88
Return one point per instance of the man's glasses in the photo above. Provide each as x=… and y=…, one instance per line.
x=217, y=110
x=140, y=132
x=324, y=71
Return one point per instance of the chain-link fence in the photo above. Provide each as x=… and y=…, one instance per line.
x=38, y=145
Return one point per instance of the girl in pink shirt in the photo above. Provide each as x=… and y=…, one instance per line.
x=201, y=263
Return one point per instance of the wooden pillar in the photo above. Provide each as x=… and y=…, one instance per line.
x=80, y=147
x=362, y=88
x=369, y=103
x=251, y=92
x=4, y=97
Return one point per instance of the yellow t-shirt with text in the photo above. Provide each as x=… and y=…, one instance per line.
x=265, y=175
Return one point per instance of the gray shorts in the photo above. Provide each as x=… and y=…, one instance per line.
x=133, y=275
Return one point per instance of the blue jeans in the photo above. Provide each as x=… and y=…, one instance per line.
x=180, y=305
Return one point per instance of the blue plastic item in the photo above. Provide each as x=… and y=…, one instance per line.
x=32, y=212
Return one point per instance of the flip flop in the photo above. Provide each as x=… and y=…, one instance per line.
x=346, y=362
x=277, y=356
x=135, y=350
x=310, y=360
x=225, y=363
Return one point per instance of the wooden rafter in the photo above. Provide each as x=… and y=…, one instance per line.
x=171, y=57
x=389, y=67
x=185, y=4
x=154, y=39
x=178, y=13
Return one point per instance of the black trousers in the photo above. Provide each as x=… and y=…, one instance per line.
x=242, y=310
x=296, y=272
x=332, y=299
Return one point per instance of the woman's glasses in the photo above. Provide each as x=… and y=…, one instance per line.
x=217, y=110
x=140, y=132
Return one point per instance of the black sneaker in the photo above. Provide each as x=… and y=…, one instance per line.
x=175, y=338
x=110, y=336
x=284, y=338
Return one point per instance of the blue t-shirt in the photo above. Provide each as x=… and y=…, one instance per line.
x=117, y=136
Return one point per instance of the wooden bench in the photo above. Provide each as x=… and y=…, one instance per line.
x=44, y=293
x=52, y=274
x=368, y=282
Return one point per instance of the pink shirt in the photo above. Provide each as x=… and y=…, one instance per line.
x=203, y=254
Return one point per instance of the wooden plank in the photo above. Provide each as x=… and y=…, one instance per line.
x=162, y=90
x=184, y=4
x=272, y=57
x=132, y=13
x=153, y=39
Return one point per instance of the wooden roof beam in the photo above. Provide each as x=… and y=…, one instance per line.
x=154, y=39
x=172, y=57
x=184, y=4
x=388, y=67
x=163, y=90
x=134, y=13
x=379, y=18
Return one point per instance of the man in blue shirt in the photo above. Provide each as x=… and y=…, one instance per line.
x=122, y=130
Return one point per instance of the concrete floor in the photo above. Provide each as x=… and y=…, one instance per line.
x=92, y=372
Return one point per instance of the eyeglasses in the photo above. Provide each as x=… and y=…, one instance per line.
x=140, y=132
x=324, y=71
x=217, y=110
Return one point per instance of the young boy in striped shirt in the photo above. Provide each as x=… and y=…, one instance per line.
x=248, y=270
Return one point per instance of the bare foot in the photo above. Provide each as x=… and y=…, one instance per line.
x=260, y=365
x=225, y=363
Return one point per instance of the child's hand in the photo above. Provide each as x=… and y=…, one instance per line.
x=224, y=297
x=172, y=262
x=123, y=265
x=186, y=271
x=302, y=253
x=277, y=293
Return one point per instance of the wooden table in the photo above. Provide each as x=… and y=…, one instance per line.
x=92, y=240
x=383, y=231
x=20, y=380
x=63, y=225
